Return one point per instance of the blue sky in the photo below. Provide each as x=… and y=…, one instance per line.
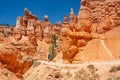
x=55, y=9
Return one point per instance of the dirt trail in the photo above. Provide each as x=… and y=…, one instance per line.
x=35, y=73
x=77, y=65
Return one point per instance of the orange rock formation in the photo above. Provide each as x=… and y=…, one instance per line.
x=86, y=37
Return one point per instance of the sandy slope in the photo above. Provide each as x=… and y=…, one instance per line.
x=6, y=74
x=112, y=41
x=95, y=50
x=42, y=69
x=102, y=49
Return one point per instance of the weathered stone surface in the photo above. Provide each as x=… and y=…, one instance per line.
x=102, y=12
x=70, y=53
x=47, y=35
x=39, y=31
x=72, y=44
x=33, y=40
x=73, y=18
x=65, y=19
x=28, y=15
x=17, y=34
x=81, y=43
x=1, y=40
x=12, y=60
x=78, y=39
x=108, y=25
x=84, y=22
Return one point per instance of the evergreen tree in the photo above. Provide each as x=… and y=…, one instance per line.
x=53, y=45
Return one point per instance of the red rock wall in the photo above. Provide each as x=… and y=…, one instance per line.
x=99, y=10
x=28, y=15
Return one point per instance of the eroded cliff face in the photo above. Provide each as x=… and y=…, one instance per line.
x=86, y=37
x=14, y=55
x=103, y=13
x=89, y=36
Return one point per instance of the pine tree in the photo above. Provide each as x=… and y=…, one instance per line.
x=53, y=45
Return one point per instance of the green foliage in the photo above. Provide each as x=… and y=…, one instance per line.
x=52, y=52
x=52, y=47
x=8, y=25
x=54, y=39
x=4, y=24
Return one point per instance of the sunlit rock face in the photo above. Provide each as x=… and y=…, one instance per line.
x=11, y=58
x=76, y=35
x=38, y=30
x=32, y=38
x=84, y=23
x=95, y=17
x=47, y=35
x=17, y=34
x=72, y=41
x=103, y=12
x=47, y=30
x=29, y=15
x=88, y=36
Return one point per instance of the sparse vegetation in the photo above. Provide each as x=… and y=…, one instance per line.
x=115, y=68
x=81, y=75
x=87, y=75
x=52, y=52
x=91, y=68
x=114, y=78
x=69, y=75
x=4, y=24
x=57, y=75
x=54, y=39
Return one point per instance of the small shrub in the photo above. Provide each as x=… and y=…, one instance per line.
x=87, y=75
x=115, y=68
x=52, y=48
x=81, y=75
x=52, y=53
x=114, y=78
x=68, y=74
x=57, y=75
x=91, y=68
